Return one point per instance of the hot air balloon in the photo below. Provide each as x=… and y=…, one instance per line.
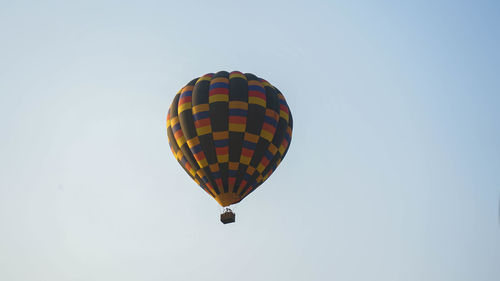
x=229, y=132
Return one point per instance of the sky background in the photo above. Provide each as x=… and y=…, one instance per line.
x=393, y=171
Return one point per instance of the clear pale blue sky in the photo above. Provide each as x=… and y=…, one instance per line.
x=393, y=172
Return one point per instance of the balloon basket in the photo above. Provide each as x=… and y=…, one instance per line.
x=228, y=216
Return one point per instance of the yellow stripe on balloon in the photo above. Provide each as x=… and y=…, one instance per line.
x=219, y=97
x=237, y=75
x=204, y=130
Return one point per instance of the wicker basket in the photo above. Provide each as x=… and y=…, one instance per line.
x=227, y=217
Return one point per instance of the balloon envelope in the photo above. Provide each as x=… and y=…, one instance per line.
x=229, y=131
